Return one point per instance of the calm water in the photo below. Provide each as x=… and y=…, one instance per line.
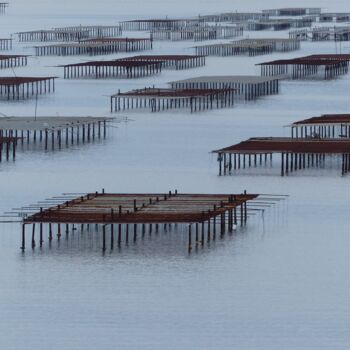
x=280, y=283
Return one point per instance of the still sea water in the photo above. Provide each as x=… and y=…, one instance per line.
x=282, y=282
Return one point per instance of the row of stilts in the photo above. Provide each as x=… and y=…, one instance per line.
x=320, y=131
x=70, y=135
x=235, y=161
x=233, y=49
x=7, y=148
x=98, y=47
x=109, y=70
x=198, y=233
x=197, y=33
x=12, y=61
x=322, y=34
x=299, y=71
x=290, y=162
x=219, y=100
x=5, y=44
x=249, y=91
x=22, y=90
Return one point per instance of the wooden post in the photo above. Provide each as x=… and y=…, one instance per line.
x=202, y=240
x=208, y=232
x=50, y=232
x=41, y=234
x=189, y=238
x=104, y=237
x=119, y=234
x=112, y=236
x=23, y=237
x=33, y=236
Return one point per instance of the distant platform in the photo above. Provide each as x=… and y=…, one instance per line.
x=16, y=88
x=248, y=86
x=295, y=153
x=47, y=123
x=59, y=130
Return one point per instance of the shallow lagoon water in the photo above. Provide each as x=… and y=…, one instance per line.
x=280, y=283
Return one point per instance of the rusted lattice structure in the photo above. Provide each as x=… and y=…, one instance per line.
x=295, y=154
x=160, y=99
x=125, y=215
x=322, y=66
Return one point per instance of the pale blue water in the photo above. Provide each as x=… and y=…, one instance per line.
x=280, y=283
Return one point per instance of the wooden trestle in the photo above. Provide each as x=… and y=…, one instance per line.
x=17, y=88
x=197, y=33
x=249, y=47
x=74, y=33
x=248, y=87
x=54, y=132
x=324, y=126
x=171, y=61
x=165, y=99
x=295, y=154
x=323, y=66
x=155, y=24
x=10, y=61
x=98, y=46
x=108, y=69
